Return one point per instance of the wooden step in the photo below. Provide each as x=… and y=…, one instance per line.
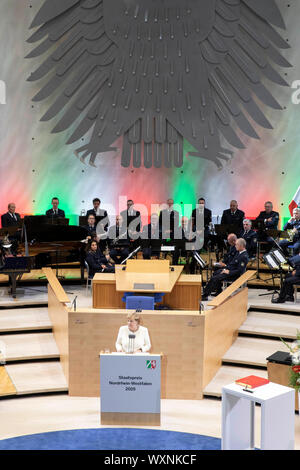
x=258, y=301
x=271, y=324
x=252, y=351
x=22, y=319
x=38, y=377
x=227, y=375
x=20, y=347
x=7, y=388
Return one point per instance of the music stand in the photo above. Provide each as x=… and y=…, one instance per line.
x=274, y=260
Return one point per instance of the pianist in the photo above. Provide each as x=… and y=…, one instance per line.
x=55, y=212
x=133, y=337
x=97, y=261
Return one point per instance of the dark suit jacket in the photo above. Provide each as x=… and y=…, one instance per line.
x=238, y=264
x=8, y=221
x=171, y=220
x=50, y=213
x=235, y=219
x=127, y=219
x=103, y=215
x=207, y=217
x=94, y=260
x=272, y=215
x=251, y=241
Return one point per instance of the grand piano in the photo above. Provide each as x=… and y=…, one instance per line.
x=42, y=241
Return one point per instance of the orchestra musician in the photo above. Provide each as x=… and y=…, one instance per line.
x=201, y=209
x=233, y=215
x=267, y=220
x=234, y=269
x=231, y=251
x=99, y=213
x=251, y=238
x=286, y=292
x=98, y=263
x=185, y=236
x=91, y=227
x=294, y=225
x=151, y=232
x=11, y=218
x=55, y=212
x=169, y=221
x=118, y=239
x=131, y=218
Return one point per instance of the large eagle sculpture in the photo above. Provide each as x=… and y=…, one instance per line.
x=157, y=72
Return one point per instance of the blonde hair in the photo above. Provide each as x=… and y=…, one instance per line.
x=134, y=316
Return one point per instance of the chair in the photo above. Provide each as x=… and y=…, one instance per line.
x=295, y=292
x=158, y=296
x=140, y=302
x=88, y=278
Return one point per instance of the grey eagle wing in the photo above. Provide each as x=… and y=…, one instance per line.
x=239, y=53
x=80, y=64
x=193, y=71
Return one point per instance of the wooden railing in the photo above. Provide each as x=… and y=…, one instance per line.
x=231, y=289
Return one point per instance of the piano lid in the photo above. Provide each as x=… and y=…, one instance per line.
x=41, y=229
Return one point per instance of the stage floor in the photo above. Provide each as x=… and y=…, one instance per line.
x=55, y=413
x=38, y=414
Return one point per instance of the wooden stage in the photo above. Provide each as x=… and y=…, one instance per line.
x=192, y=343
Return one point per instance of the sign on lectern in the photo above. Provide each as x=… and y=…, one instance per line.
x=130, y=388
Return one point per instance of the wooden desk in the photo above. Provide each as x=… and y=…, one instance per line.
x=185, y=294
x=161, y=281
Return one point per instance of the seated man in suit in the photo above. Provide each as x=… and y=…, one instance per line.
x=269, y=217
x=11, y=218
x=251, y=238
x=169, y=221
x=55, y=212
x=131, y=218
x=233, y=215
x=118, y=240
x=287, y=292
x=91, y=227
x=268, y=220
x=99, y=213
x=294, y=225
x=231, y=252
x=234, y=269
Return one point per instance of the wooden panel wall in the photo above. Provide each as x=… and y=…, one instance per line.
x=178, y=335
x=221, y=330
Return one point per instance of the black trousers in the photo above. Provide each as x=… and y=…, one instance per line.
x=119, y=254
x=287, y=289
x=215, y=283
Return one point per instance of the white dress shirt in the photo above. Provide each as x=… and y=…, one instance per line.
x=141, y=341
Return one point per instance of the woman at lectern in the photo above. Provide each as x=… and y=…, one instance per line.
x=133, y=337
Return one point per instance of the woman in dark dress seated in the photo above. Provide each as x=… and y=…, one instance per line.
x=97, y=261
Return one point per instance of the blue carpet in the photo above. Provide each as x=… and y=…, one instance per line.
x=112, y=439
